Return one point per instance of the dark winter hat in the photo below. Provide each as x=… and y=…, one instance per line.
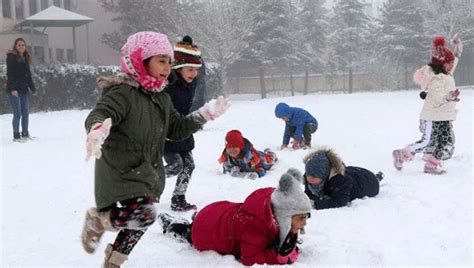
x=282, y=109
x=318, y=166
x=440, y=54
x=234, y=138
x=186, y=54
x=289, y=199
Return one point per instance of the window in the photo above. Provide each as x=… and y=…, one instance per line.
x=60, y=54
x=70, y=55
x=50, y=50
x=19, y=9
x=33, y=7
x=57, y=3
x=67, y=4
x=7, y=8
x=38, y=53
x=44, y=4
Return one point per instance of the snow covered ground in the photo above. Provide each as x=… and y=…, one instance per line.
x=417, y=219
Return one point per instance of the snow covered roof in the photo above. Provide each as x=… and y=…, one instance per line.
x=54, y=16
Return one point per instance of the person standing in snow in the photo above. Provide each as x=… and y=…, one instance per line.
x=241, y=159
x=330, y=184
x=263, y=229
x=126, y=133
x=178, y=154
x=299, y=125
x=439, y=109
x=19, y=83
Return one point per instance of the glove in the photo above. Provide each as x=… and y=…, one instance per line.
x=296, y=145
x=457, y=47
x=235, y=172
x=214, y=108
x=423, y=95
x=453, y=95
x=96, y=137
x=288, y=252
x=251, y=175
x=283, y=146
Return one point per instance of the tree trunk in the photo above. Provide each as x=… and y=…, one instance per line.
x=406, y=75
x=292, y=88
x=273, y=84
x=263, y=91
x=306, y=74
x=350, y=80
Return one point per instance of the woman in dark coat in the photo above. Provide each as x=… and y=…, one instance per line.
x=19, y=82
x=330, y=184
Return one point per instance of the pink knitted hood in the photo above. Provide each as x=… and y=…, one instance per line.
x=141, y=46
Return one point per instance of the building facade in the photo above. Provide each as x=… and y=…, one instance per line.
x=55, y=44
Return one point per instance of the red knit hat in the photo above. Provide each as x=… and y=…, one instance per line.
x=234, y=138
x=440, y=54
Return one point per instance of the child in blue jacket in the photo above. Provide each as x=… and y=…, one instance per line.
x=299, y=125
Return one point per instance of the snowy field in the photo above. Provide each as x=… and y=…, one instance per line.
x=417, y=219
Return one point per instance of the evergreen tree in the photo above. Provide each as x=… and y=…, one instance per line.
x=349, y=39
x=401, y=36
x=268, y=45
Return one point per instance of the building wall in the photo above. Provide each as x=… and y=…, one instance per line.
x=59, y=41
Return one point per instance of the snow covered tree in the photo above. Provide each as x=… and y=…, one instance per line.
x=349, y=39
x=269, y=44
x=401, y=36
x=314, y=23
x=146, y=15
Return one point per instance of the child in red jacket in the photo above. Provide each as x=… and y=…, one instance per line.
x=240, y=159
x=262, y=229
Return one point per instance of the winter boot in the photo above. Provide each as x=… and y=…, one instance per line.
x=401, y=156
x=380, y=176
x=426, y=156
x=270, y=156
x=113, y=259
x=26, y=136
x=433, y=166
x=178, y=228
x=178, y=203
x=17, y=137
x=95, y=225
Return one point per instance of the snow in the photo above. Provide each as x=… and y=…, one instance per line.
x=417, y=219
x=57, y=14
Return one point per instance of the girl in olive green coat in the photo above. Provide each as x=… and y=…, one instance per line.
x=127, y=130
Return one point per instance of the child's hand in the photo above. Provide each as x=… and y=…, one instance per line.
x=453, y=95
x=96, y=138
x=296, y=145
x=283, y=146
x=251, y=175
x=235, y=172
x=214, y=108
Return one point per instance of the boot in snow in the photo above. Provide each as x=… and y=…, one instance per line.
x=433, y=166
x=270, y=156
x=113, y=259
x=178, y=203
x=380, y=176
x=94, y=227
x=178, y=228
x=401, y=156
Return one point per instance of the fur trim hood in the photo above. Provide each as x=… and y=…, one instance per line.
x=337, y=166
x=105, y=82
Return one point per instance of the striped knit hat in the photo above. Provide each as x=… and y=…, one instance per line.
x=186, y=54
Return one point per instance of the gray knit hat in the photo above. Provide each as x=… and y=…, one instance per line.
x=289, y=199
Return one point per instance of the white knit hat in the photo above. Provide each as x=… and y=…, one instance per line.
x=289, y=199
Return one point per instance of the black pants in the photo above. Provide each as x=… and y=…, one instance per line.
x=438, y=139
x=309, y=129
x=181, y=164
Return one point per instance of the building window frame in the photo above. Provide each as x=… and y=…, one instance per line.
x=33, y=6
x=7, y=8
x=19, y=9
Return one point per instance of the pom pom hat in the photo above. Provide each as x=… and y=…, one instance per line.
x=440, y=54
x=139, y=47
x=288, y=200
x=234, y=139
x=186, y=54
